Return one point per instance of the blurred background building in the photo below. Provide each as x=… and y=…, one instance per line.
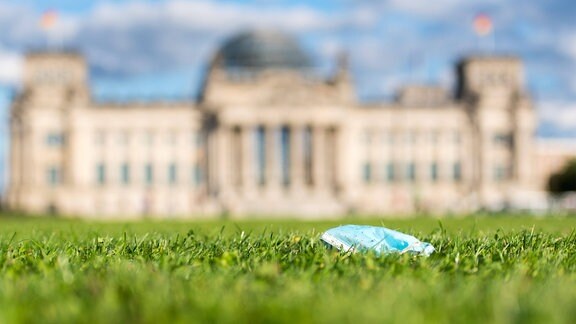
x=268, y=136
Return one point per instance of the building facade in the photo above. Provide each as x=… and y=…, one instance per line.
x=265, y=137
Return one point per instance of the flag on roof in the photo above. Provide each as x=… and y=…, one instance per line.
x=482, y=24
x=49, y=19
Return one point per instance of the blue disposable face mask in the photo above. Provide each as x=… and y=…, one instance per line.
x=381, y=240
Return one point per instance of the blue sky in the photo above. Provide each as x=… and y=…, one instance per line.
x=157, y=49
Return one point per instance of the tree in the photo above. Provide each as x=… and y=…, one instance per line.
x=563, y=180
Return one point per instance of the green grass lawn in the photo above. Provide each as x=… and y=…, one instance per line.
x=486, y=269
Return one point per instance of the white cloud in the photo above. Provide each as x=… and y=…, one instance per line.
x=127, y=37
x=568, y=48
x=208, y=15
x=439, y=8
x=138, y=36
x=132, y=37
x=426, y=8
x=330, y=48
x=10, y=67
x=569, y=45
x=561, y=114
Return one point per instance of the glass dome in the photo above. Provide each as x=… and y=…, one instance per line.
x=263, y=49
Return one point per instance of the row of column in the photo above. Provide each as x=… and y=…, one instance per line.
x=290, y=156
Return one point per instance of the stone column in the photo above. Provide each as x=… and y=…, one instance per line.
x=16, y=157
x=15, y=166
x=31, y=171
x=444, y=158
x=297, y=157
x=308, y=156
x=69, y=146
x=224, y=163
x=248, y=165
x=319, y=158
x=331, y=157
x=212, y=165
x=522, y=145
x=273, y=170
x=235, y=156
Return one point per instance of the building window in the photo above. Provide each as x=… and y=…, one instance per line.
x=500, y=173
x=125, y=173
x=503, y=139
x=197, y=174
x=53, y=176
x=55, y=139
x=434, y=171
x=457, y=172
x=367, y=172
x=198, y=138
x=101, y=173
x=411, y=172
x=172, y=173
x=390, y=172
x=149, y=174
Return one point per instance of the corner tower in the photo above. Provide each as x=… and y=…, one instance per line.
x=55, y=78
x=41, y=126
x=503, y=121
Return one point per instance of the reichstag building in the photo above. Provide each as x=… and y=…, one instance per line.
x=265, y=137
